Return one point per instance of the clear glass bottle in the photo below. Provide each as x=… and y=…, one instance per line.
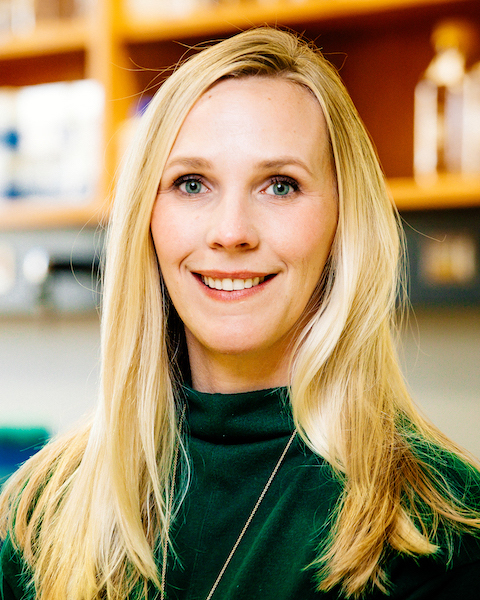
x=439, y=103
x=23, y=16
x=5, y=17
x=471, y=122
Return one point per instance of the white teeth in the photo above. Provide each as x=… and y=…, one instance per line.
x=238, y=284
x=231, y=284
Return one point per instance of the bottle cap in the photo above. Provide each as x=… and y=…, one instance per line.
x=455, y=33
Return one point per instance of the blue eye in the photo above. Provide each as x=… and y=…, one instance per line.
x=282, y=187
x=190, y=185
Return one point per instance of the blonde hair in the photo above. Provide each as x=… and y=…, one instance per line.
x=91, y=509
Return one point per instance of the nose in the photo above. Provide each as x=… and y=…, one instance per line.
x=233, y=225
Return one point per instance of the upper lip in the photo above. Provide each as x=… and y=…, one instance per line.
x=233, y=274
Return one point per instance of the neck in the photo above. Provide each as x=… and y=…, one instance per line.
x=229, y=374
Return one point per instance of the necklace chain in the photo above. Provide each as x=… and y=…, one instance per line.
x=245, y=527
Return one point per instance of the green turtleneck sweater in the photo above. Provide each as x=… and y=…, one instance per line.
x=234, y=442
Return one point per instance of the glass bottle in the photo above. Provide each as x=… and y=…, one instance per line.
x=23, y=16
x=471, y=122
x=439, y=103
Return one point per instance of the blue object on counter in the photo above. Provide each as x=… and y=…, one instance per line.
x=17, y=445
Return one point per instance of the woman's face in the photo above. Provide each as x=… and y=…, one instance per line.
x=243, y=223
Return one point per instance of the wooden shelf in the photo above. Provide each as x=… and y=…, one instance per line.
x=448, y=191
x=228, y=18
x=19, y=214
x=386, y=42
x=49, y=37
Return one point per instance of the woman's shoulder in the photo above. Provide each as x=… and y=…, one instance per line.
x=14, y=576
x=453, y=571
x=62, y=453
x=442, y=576
x=455, y=472
x=51, y=467
x=24, y=496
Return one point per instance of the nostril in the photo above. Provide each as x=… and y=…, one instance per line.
x=231, y=233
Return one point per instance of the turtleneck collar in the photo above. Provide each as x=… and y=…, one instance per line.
x=236, y=418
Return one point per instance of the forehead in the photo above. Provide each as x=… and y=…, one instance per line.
x=268, y=113
x=261, y=85
x=276, y=93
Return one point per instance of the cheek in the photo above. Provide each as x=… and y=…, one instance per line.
x=170, y=237
x=310, y=246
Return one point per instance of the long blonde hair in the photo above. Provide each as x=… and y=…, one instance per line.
x=90, y=510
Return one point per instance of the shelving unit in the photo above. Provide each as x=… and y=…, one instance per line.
x=380, y=46
x=48, y=38
x=230, y=17
x=448, y=191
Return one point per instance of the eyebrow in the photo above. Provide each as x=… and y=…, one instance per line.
x=193, y=163
x=277, y=163
x=284, y=161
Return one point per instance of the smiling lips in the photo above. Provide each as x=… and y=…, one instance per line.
x=231, y=285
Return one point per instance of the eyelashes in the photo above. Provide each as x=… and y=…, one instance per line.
x=192, y=184
x=279, y=185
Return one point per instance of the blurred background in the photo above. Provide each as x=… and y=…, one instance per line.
x=75, y=75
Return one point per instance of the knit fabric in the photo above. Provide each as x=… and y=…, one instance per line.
x=234, y=442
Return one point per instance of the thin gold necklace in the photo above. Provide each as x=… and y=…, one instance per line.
x=245, y=527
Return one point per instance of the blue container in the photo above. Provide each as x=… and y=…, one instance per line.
x=17, y=445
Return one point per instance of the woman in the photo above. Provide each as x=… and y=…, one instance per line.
x=254, y=437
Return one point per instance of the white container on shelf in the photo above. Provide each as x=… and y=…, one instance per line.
x=9, y=139
x=164, y=8
x=81, y=165
x=41, y=116
x=60, y=140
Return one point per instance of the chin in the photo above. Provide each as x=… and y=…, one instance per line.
x=230, y=348
x=232, y=344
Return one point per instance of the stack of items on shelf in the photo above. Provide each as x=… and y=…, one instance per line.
x=21, y=16
x=51, y=141
x=447, y=106
x=165, y=8
x=180, y=8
